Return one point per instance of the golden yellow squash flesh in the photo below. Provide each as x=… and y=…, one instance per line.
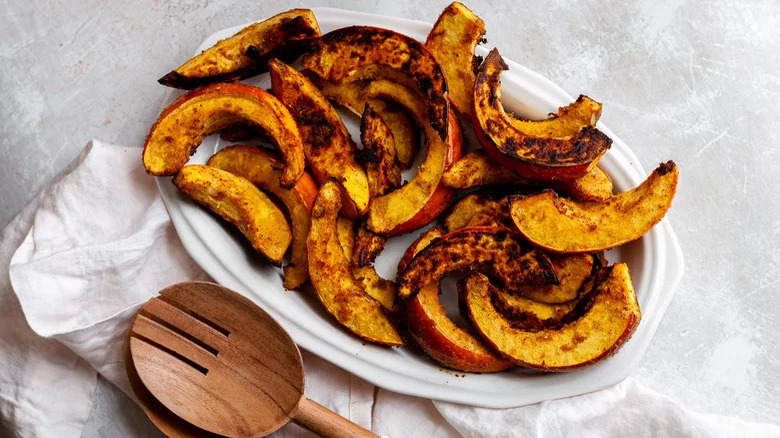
x=564, y=147
x=610, y=319
x=477, y=169
x=284, y=36
x=364, y=52
x=405, y=133
x=329, y=149
x=452, y=40
x=562, y=225
x=527, y=314
x=483, y=202
x=182, y=126
x=242, y=204
x=573, y=271
x=332, y=278
x=423, y=198
x=262, y=169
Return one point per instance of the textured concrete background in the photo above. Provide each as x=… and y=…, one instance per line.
x=688, y=80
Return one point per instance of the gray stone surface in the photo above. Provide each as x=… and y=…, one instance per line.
x=689, y=80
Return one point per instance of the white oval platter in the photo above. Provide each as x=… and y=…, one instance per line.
x=656, y=263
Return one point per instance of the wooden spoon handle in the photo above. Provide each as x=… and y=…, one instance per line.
x=327, y=423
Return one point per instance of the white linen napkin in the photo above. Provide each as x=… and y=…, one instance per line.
x=98, y=243
x=30, y=366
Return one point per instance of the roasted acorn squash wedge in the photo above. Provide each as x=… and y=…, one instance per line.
x=564, y=147
x=285, y=36
x=509, y=262
x=368, y=245
x=562, y=225
x=610, y=314
x=378, y=288
x=455, y=347
x=441, y=339
x=365, y=52
x=453, y=40
x=422, y=199
x=477, y=169
x=405, y=132
x=573, y=271
x=333, y=280
x=526, y=314
x=378, y=154
x=263, y=169
x=182, y=126
x=493, y=203
x=329, y=149
x=375, y=286
x=384, y=175
x=239, y=202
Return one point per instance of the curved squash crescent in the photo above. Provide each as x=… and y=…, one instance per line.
x=365, y=52
x=182, y=126
x=239, y=202
x=611, y=317
x=564, y=147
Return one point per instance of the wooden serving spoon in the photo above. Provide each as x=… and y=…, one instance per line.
x=204, y=360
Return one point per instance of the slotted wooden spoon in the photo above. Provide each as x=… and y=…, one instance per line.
x=204, y=360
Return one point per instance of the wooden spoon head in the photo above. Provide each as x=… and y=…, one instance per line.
x=169, y=423
x=216, y=360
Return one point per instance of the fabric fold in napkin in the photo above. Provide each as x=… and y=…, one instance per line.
x=98, y=243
